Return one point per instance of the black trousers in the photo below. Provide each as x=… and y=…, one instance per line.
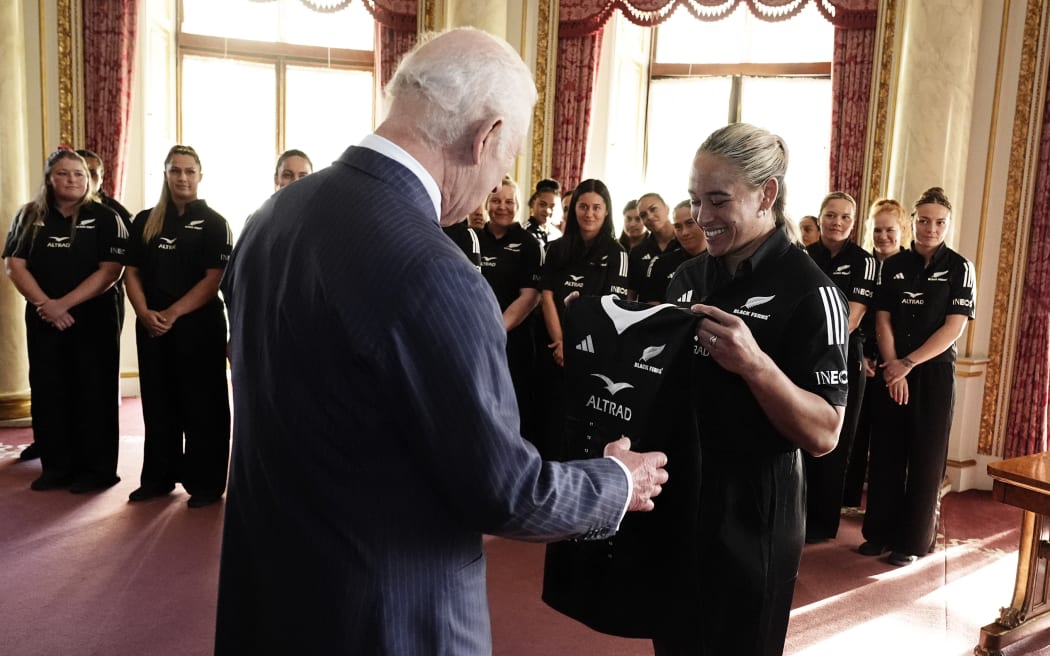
x=74, y=386
x=751, y=534
x=182, y=375
x=521, y=360
x=909, y=449
x=857, y=469
x=826, y=475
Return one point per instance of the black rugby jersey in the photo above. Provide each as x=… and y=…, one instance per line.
x=627, y=373
x=178, y=258
x=797, y=316
x=642, y=255
x=919, y=298
x=510, y=264
x=59, y=259
x=653, y=287
x=601, y=270
x=853, y=270
x=466, y=238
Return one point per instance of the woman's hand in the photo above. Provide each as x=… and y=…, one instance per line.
x=55, y=313
x=896, y=370
x=728, y=339
x=899, y=391
x=869, y=367
x=557, y=353
x=156, y=323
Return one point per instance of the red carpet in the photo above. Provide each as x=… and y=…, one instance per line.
x=95, y=575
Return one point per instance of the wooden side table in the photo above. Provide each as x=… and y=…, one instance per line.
x=1023, y=482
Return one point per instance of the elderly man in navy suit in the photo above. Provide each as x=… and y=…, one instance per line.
x=376, y=436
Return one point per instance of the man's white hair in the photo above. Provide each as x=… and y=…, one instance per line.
x=458, y=88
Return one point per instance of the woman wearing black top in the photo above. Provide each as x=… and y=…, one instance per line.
x=887, y=223
x=176, y=255
x=924, y=299
x=63, y=255
x=853, y=271
x=510, y=262
x=587, y=260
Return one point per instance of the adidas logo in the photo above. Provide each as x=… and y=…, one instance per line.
x=587, y=345
x=899, y=276
x=686, y=297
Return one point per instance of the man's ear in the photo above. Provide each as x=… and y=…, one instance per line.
x=485, y=137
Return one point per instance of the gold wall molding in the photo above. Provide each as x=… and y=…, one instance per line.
x=428, y=18
x=14, y=407
x=1017, y=214
x=885, y=80
x=546, y=85
x=993, y=129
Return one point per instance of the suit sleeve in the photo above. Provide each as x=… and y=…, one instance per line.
x=450, y=370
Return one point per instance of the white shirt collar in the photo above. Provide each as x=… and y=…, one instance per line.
x=388, y=148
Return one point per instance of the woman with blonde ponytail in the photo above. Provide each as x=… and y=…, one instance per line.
x=63, y=255
x=177, y=252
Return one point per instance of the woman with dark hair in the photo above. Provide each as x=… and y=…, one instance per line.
x=177, y=252
x=587, y=259
x=809, y=230
x=542, y=203
x=924, y=298
x=63, y=255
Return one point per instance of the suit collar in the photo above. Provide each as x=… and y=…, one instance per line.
x=392, y=151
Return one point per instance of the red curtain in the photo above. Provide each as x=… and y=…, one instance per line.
x=109, y=54
x=580, y=24
x=395, y=34
x=1026, y=423
x=577, y=71
x=851, y=72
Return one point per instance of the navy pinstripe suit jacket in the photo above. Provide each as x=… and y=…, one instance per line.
x=375, y=432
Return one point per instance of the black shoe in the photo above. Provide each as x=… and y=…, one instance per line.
x=92, y=484
x=149, y=492
x=870, y=548
x=31, y=452
x=202, y=500
x=50, y=482
x=900, y=559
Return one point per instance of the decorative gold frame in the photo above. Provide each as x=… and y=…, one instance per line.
x=1017, y=208
x=879, y=119
x=546, y=84
x=70, y=40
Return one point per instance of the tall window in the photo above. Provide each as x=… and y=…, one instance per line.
x=703, y=75
x=259, y=77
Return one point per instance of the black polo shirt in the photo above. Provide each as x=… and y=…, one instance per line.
x=640, y=257
x=600, y=269
x=178, y=258
x=536, y=230
x=919, y=298
x=466, y=238
x=853, y=270
x=60, y=256
x=798, y=317
x=510, y=264
x=653, y=287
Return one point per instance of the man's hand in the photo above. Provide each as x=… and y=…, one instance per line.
x=647, y=471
